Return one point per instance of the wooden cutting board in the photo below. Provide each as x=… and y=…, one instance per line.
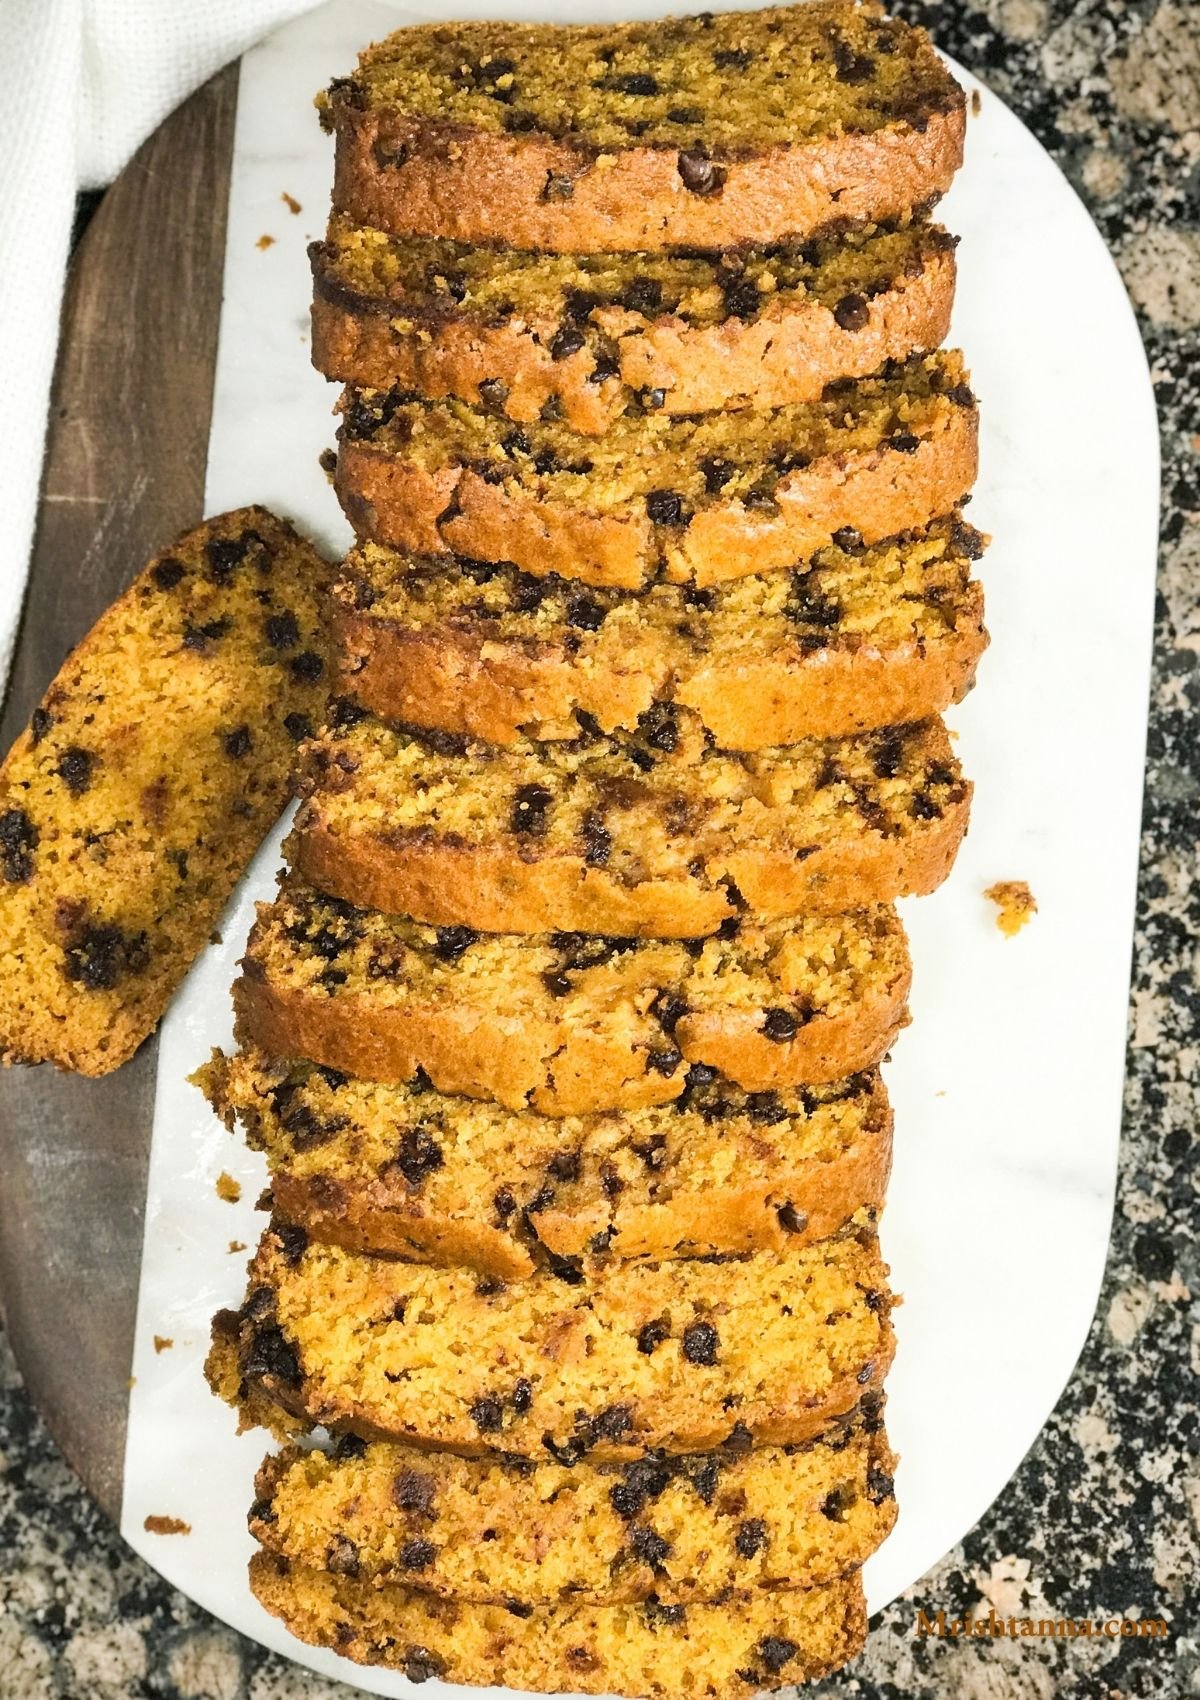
x=124, y=473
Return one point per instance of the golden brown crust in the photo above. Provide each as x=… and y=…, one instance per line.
x=554, y=1066
x=788, y=353
x=474, y=680
x=879, y=492
x=514, y=887
x=431, y=185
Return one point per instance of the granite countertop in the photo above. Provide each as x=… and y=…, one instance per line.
x=1102, y=1518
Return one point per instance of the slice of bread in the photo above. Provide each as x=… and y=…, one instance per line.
x=403, y=1170
x=692, y=500
x=655, y=835
x=584, y=338
x=664, y=1652
x=566, y=1022
x=706, y=131
x=496, y=1530
x=852, y=639
x=159, y=758
x=774, y=1348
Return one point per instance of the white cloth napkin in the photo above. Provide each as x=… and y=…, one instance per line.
x=86, y=81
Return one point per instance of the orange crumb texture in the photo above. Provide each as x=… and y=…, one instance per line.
x=163, y=1343
x=1015, y=902
x=265, y=241
x=227, y=1188
x=290, y=202
x=166, y=1526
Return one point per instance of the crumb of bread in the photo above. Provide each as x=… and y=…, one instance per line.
x=237, y=1245
x=264, y=242
x=166, y=1526
x=290, y=202
x=163, y=1342
x=976, y=102
x=227, y=1188
x=1015, y=902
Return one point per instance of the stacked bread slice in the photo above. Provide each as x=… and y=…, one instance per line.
x=561, y=1036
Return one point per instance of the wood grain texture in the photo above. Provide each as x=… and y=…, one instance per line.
x=124, y=473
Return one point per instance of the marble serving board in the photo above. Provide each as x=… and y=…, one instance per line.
x=1007, y=1086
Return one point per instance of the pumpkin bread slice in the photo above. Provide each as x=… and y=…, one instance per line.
x=706, y=131
x=850, y=639
x=692, y=500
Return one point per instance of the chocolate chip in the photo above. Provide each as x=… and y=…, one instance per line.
x=487, y=1414
x=167, y=572
x=733, y=58
x=779, y=1025
x=420, y=1665
x=413, y=1491
x=597, y=840
x=293, y=1241
x=866, y=1372
x=765, y=1108
x=75, y=769
x=699, y=174
x=888, y=754
x=849, y=541
x=271, y=1354
x=558, y=985
x=924, y=807
x=793, y=1221
x=961, y=395
x=636, y=82
x=307, y=666
x=530, y=807
x=904, y=443
x=701, y=1074
x=350, y=1446
x=564, y=1166
x=612, y=1423
x=283, y=631
x=611, y=1181
x=522, y=1396
x=880, y=1485
x=700, y=1342
x=652, y=399
x=665, y=507
x=751, y=1537
x=341, y=1556
x=585, y=612
x=418, y=1155
x=717, y=473
x=875, y=1300
x=298, y=726
x=775, y=1651
x=665, y=1061
x=837, y=1503
x=416, y=1555
x=18, y=841
x=453, y=941
x=851, y=67
x=100, y=956
x=238, y=743
x=852, y=312
x=557, y=187
x=673, y=1615
x=580, y=304
x=493, y=393
x=742, y=298
x=642, y=295
x=648, y=1545
x=651, y=1335
x=41, y=722
x=659, y=726
x=668, y=1009
x=224, y=555
x=568, y=341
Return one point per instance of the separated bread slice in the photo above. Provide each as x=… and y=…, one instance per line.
x=585, y=337
x=651, y=836
x=706, y=131
x=692, y=500
x=666, y=1652
x=852, y=639
x=156, y=763
x=773, y=1348
x=504, y=1531
x=404, y=1170
x=564, y=1022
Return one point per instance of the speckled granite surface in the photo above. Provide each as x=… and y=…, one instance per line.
x=1103, y=1517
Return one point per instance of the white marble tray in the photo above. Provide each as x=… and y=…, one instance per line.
x=1007, y=1088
